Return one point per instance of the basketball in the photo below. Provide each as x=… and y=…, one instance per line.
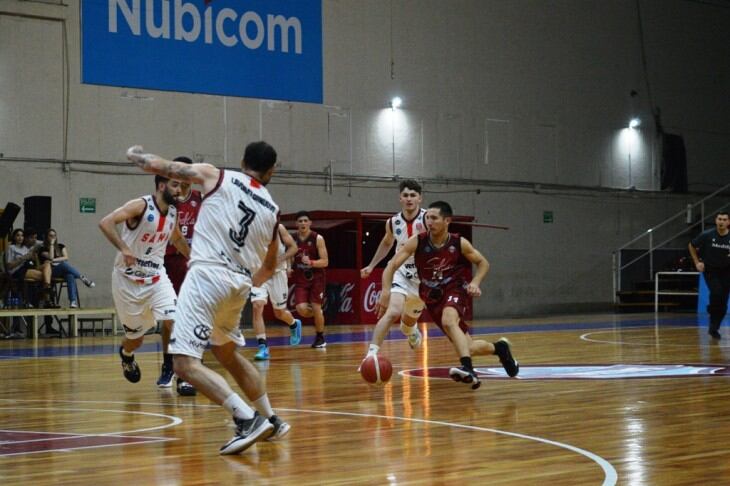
x=376, y=369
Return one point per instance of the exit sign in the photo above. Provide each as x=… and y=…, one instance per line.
x=547, y=216
x=87, y=205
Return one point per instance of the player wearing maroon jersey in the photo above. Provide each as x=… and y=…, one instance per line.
x=187, y=204
x=443, y=260
x=310, y=262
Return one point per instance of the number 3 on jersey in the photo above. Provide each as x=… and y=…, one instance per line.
x=239, y=237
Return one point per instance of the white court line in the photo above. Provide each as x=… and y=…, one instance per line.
x=71, y=449
x=610, y=479
x=585, y=337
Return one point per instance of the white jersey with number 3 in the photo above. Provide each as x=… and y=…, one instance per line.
x=236, y=223
x=147, y=241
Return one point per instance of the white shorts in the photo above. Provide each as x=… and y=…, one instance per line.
x=276, y=289
x=406, y=282
x=140, y=306
x=209, y=309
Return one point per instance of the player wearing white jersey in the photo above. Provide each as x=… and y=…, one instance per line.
x=276, y=289
x=234, y=248
x=142, y=293
x=404, y=302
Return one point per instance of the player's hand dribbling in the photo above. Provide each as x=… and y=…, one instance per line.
x=366, y=271
x=383, y=302
x=473, y=290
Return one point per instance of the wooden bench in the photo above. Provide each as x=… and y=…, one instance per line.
x=72, y=314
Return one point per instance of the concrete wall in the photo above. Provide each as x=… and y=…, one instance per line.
x=526, y=101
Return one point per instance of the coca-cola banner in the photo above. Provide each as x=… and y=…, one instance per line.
x=355, y=300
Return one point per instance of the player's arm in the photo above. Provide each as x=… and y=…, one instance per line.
x=323, y=260
x=131, y=211
x=475, y=257
x=289, y=244
x=383, y=249
x=269, y=264
x=180, y=242
x=204, y=174
x=699, y=264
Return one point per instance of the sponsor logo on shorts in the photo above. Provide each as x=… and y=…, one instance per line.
x=202, y=331
x=131, y=330
x=197, y=344
x=169, y=311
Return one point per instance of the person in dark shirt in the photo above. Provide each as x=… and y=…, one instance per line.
x=57, y=254
x=443, y=261
x=710, y=252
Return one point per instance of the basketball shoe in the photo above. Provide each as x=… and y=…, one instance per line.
x=185, y=389
x=462, y=375
x=509, y=363
x=296, y=333
x=166, y=376
x=319, y=341
x=262, y=354
x=414, y=336
x=130, y=367
x=281, y=428
x=248, y=432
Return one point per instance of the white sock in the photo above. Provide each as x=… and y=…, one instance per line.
x=373, y=349
x=237, y=407
x=125, y=353
x=263, y=406
x=407, y=330
x=261, y=336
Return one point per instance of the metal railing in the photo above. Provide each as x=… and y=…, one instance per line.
x=707, y=208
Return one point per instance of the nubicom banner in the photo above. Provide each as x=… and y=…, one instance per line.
x=269, y=49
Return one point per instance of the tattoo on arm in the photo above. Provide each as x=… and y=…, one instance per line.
x=180, y=172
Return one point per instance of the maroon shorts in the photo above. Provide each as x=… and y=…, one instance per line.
x=310, y=291
x=177, y=268
x=454, y=297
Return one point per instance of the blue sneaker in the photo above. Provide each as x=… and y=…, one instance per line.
x=296, y=333
x=166, y=376
x=262, y=354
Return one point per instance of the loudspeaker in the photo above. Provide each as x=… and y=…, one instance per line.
x=38, y=213
x=674, y=164
x=7, y=218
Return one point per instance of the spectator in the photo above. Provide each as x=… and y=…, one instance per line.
x=57, y=254
x=21, y=260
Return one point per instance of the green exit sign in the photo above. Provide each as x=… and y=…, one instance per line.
x=547, y=216
x=87, y=204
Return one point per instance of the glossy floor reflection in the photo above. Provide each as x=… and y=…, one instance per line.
x=68, y=416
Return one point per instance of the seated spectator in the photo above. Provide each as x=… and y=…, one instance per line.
x=57, y=254
x=21, y=260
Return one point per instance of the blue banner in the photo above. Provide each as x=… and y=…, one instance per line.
x=269, y=49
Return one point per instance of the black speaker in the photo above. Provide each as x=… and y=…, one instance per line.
x=674, y=163
x=37, y=213
x=7, y=219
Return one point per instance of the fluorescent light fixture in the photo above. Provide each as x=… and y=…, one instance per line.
x=396, y=102
x=634, y=123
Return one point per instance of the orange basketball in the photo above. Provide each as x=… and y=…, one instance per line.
x=376, y=369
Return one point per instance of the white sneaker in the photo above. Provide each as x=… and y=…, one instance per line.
x=414, y=337
x=74, y=305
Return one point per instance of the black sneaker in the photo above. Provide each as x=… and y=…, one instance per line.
x=509, y=363
x=319, y=342
x=130, y=367
x=166, y=376
x=714, y=334
x=281, y=428
x=462, y=375
x=185, y=389
x=247, y=433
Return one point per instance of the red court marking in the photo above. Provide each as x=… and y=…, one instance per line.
x=14, y=442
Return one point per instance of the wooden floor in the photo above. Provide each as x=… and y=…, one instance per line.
x=67, y=416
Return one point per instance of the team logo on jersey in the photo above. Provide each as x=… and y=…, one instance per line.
x=202, y=332
x=428, y=249
x=150, y=217
x=398, y=231
x=452, y=249
x=397, y=222
x=193, y=203
x=587, y=372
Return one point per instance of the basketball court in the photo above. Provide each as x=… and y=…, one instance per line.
x=600, y=400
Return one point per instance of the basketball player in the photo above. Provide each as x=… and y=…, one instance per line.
x=442, y=260
x=235, y=248
x=276, y=289
x=142, y=292
x=176, y=265
x=309, y=277
x=404, y=300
